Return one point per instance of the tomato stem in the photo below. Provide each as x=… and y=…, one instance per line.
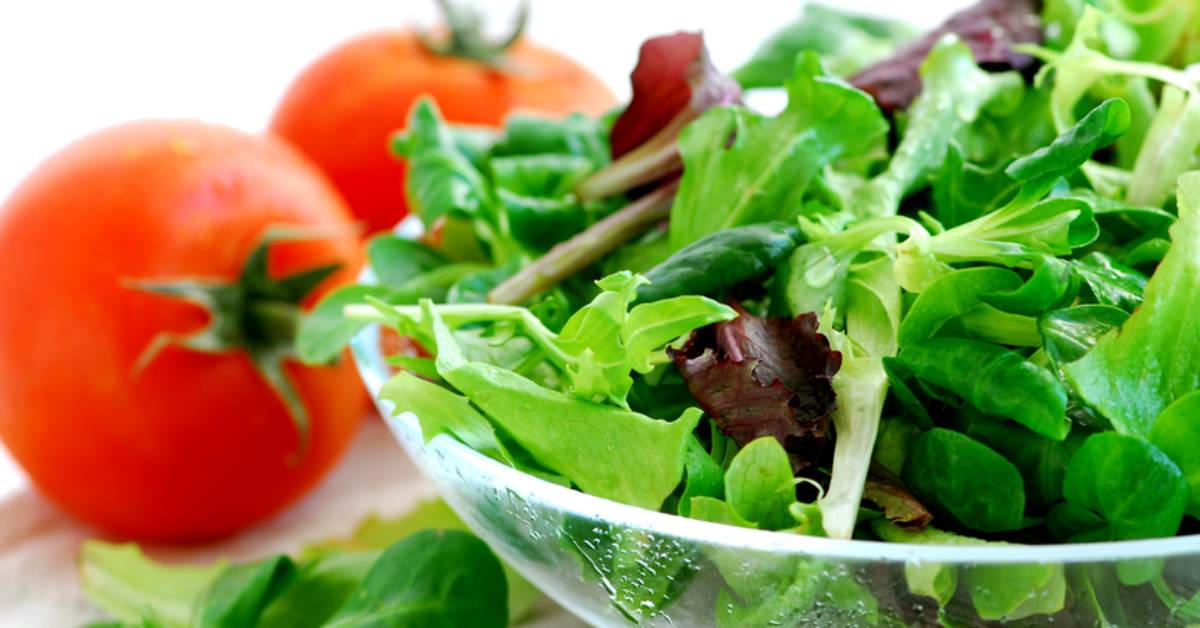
x=466, y=38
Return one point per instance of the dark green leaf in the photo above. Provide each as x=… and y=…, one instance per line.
x=1068, y=334
x=1133, y=485
x=951, y=296
x=986, y=375
x=396, y=261
x=966, y=479
x=1053, y=283
x=431, y=579
x=1111, y=283
x=1177, y=433
x=1128, y=376
x=719, y=261
x=1099, y=128
x=237, y=597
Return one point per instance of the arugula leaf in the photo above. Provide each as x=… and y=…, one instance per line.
x=432, y=578
x=1130, y=483
x=548, y=423
x=1124, y=376
x=846, y=42
x=966, y=479
x=763, y=172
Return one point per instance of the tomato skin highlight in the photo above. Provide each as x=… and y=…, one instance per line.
x=343, y=108
x=194, y=446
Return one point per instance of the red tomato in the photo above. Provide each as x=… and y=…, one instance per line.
x=194, y=445
x=342, y=109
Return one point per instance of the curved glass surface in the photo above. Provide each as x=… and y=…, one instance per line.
x=613, y=564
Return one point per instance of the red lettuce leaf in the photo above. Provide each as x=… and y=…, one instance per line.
x=898, y=504
x=991, y=28
x=674, y=82
x=765, y=377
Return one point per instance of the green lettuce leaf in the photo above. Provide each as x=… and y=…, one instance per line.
x=1127, y=376
x=741, y=167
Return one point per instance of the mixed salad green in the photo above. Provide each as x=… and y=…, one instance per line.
x=951, y=295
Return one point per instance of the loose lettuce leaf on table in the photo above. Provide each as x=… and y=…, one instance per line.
x=1128, y=376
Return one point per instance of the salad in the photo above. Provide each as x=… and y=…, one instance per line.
x=945, y=295
x=951, y=294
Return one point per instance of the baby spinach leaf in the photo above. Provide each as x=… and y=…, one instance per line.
x=237, y=597
x=1041, y=461
x=759, y=485
x=846, y=42
x=963, y=191
x=1132, y=484
x=549, y=425
x=764, y=377
x=717, y=262
x=951, y=296
x=966, y=479
x=986, y=375
x=1124, y=376
x=763, y=172
x=435, y=578
x=1177, y=434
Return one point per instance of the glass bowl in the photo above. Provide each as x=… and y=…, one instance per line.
x=613, y=565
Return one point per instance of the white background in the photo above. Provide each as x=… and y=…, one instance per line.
x=69, y=68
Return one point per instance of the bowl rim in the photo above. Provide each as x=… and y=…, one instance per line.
x=374, y=372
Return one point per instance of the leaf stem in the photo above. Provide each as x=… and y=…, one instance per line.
x=572, y=256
